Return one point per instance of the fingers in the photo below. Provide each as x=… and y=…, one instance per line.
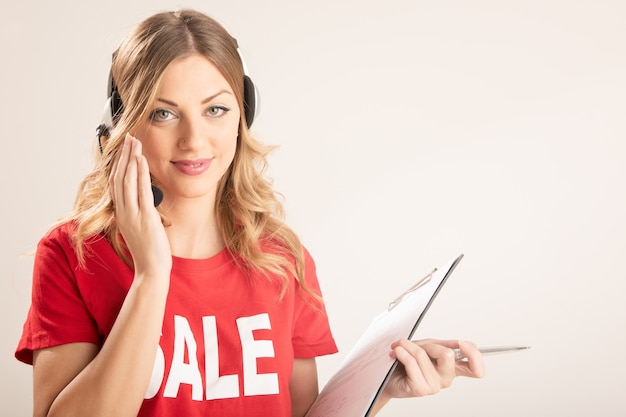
x=474, y=366
x=412, y=358
x=130, y=182
x=117, y=174
x=430, y=365
x=126, y=181
x=444, y=362
x=137, y=219
x=146, y=198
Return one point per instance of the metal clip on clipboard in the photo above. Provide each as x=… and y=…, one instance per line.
x=417, y=285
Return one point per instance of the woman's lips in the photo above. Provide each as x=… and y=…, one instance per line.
x=192, y=167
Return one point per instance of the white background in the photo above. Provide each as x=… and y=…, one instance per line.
x=409, y=132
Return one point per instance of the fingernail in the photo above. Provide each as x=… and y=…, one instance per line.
x=465, y=344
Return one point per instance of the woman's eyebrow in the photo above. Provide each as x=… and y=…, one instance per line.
x=206, y=100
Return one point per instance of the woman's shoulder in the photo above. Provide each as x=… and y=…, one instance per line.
x=59, y=234
x=60, y=246
x=62, y=236
x=65, y=228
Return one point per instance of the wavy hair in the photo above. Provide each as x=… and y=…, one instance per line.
x=249, y=214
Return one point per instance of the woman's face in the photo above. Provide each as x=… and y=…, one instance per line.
x=190, y=136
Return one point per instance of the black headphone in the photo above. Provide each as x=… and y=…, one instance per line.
x=114, y=107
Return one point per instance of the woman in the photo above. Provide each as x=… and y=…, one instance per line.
x=207, y=304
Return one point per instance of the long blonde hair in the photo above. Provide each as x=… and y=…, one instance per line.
x=249, y=214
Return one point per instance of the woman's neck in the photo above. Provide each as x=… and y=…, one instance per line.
x=193, y=232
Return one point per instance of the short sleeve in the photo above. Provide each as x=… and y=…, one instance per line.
x=311, y=333
x=58, y=314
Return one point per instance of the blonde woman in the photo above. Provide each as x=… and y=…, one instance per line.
x=207, y=304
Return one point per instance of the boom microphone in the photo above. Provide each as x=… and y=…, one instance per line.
x=157, y=194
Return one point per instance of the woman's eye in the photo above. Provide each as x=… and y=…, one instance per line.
x=217, y=111
x=160, y=115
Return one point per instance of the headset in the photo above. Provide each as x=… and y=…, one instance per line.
x=114, y=107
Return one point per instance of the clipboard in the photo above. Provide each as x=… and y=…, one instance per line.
x=353, y=390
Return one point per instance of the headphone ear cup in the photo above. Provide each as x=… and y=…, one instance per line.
x=250, y=100
x=112, y=110
x=116, y=106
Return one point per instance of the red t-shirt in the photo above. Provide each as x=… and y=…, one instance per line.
x=228, y=341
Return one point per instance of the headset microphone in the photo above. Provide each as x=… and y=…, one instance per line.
x=157, y=194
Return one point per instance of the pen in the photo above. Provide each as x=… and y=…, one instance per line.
x=490, y=351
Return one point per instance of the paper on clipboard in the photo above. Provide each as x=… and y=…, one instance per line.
x=354, y=388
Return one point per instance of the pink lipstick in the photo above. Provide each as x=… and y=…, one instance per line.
x=192, y=167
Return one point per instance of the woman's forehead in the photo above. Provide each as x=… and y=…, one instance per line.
x=192, y=75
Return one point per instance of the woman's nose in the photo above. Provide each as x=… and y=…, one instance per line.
x=194, y=133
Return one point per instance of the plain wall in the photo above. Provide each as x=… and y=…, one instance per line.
x=409, y=132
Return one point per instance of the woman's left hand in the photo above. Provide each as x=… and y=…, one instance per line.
x=427, y=366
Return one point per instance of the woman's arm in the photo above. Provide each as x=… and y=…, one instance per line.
x=303, y=386
x=54, y=368
x=76, y=379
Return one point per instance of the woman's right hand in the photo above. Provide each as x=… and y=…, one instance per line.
x=137, y=218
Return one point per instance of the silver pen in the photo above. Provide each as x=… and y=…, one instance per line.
x=459, y=356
